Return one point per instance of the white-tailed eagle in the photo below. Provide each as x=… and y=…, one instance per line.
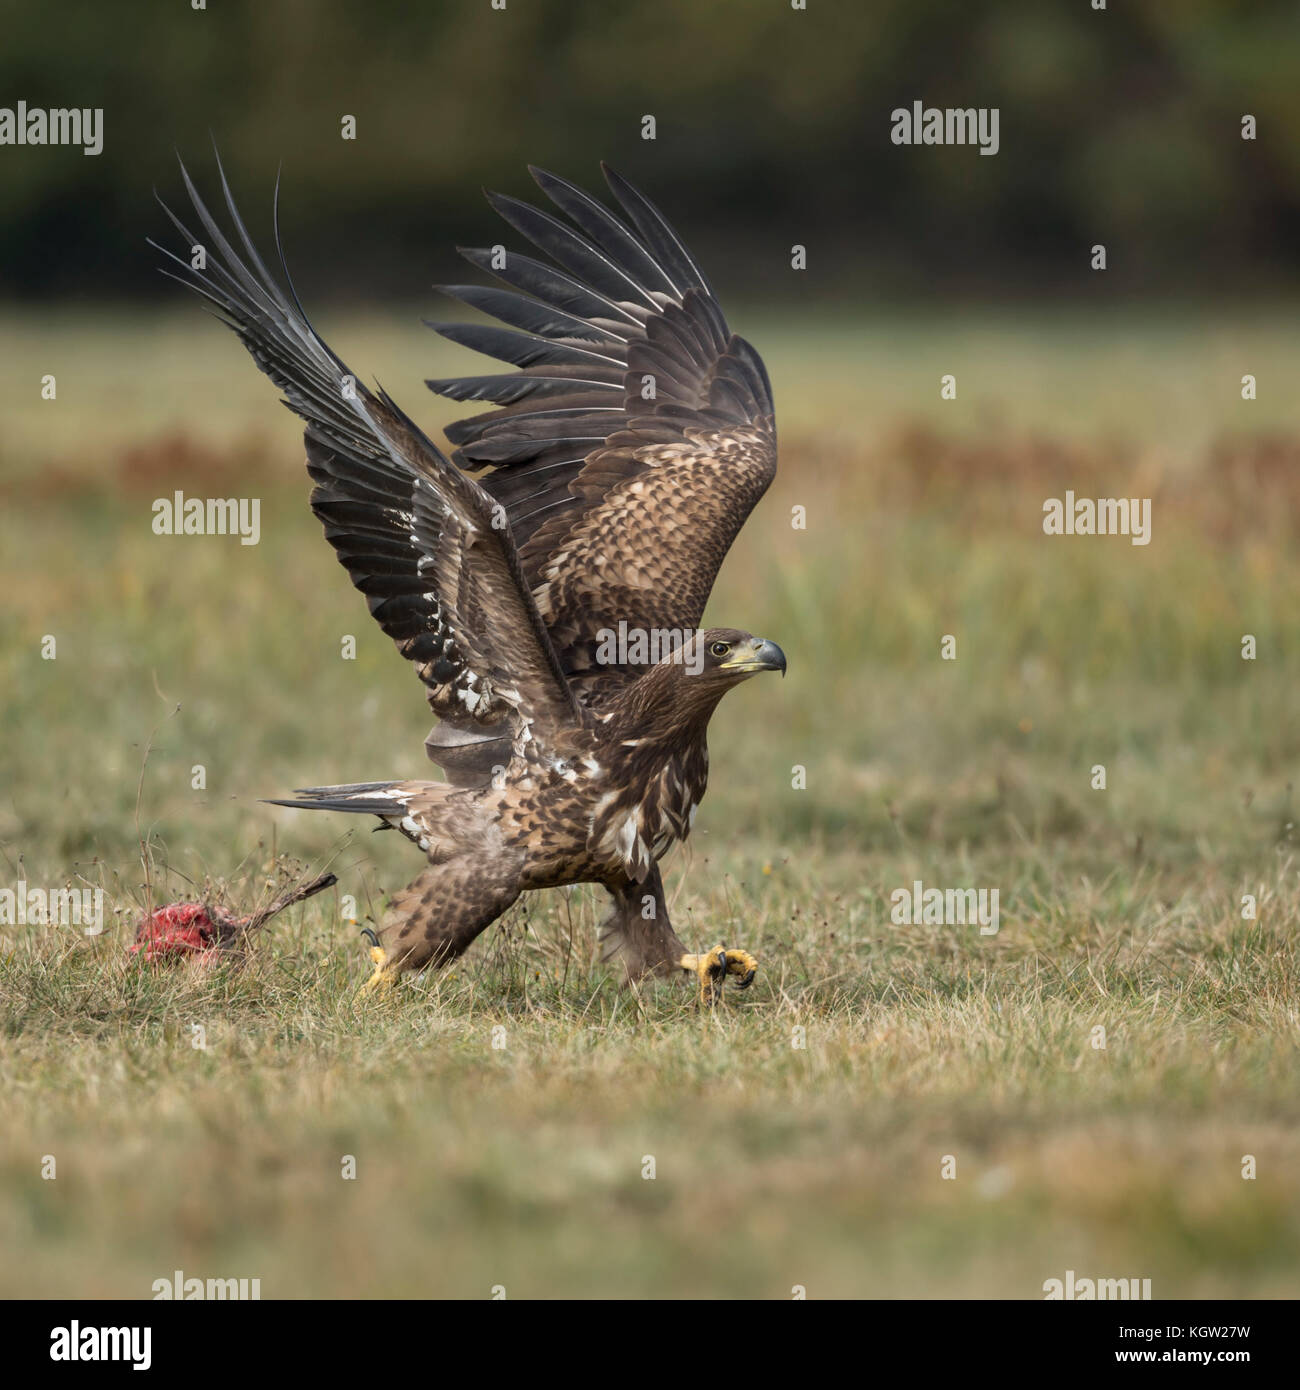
x=548, y=578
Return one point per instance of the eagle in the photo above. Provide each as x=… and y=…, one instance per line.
x=548, y=576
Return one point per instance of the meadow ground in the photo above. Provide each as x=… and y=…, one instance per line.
x=775, y=1165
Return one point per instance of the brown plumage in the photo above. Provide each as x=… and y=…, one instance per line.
x=550, y=603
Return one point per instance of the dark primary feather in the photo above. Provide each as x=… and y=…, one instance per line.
x=416, y=535
x=521, y=312
x=556, y=288
x=622, y=507
x=367, y=798
x=603, y=228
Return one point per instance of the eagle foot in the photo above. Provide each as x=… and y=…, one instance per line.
x=385, y=976
x=712, y=967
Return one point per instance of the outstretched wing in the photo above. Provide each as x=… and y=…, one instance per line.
x=415, y=533
x=637, y=433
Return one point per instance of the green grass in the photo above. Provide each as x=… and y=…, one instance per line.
x=776, y=1165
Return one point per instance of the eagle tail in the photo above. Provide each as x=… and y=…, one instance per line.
x=367, y=798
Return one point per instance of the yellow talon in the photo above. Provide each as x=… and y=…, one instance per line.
x=743, y=964
x=713, y=966
x=385, y=975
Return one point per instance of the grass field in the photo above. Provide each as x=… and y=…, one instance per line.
x=775, y=1165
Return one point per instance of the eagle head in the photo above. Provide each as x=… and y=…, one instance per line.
x=727, y=656
x=674, y=699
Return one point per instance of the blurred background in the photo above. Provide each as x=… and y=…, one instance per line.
x=924, y=518
x=1121, y=126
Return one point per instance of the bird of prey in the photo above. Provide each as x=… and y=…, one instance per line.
x=547, y=580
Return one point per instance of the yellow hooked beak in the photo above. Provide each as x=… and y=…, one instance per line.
x=758, y=654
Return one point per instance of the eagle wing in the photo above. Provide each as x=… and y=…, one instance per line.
x=424, y=542
x=637, y=433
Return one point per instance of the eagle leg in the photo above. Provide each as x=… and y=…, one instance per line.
x=437, y=916
x=637, y=932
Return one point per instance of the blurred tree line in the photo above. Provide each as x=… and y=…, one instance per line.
x=1120, y=126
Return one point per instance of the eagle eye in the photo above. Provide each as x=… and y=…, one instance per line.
x=720, y=648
